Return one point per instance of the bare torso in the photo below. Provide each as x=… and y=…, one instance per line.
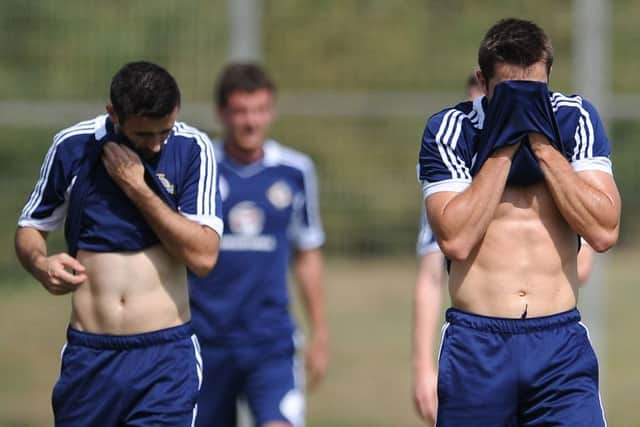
x=130, y=292
x=526, y=262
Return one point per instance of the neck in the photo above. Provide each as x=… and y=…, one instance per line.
x=243, y=156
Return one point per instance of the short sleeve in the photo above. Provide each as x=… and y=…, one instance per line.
x=427, y=242
x=199, y=199
x=445, y=153
x=591, y=150
x=47, y=204
x=305, y=231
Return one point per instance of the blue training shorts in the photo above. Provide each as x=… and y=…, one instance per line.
x=497, y=372
x=265, y=374
x=149, y=379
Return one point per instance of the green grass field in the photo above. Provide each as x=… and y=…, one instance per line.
x=369, y=383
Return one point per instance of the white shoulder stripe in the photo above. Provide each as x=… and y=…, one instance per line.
x=206, y=197
x=45, y=170
x=584, y=135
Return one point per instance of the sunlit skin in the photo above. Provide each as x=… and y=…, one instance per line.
x=136, y=291
x=247, y=117
x=524, y=261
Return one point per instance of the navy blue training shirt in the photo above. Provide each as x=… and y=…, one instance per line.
x=270, y=208
x=107, y=220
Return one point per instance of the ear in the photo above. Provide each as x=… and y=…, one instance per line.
x=112, y=114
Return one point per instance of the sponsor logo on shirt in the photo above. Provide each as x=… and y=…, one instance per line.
x=246, y=223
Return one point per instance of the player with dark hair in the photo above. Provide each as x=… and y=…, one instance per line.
x=511, y=180
x=136, y=192
x=241, y=310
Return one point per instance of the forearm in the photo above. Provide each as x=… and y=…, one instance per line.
x=31, y=249
x=462, y=220
x=592, y=211
x=193, y=244
x=428, y=302
x=309, y=268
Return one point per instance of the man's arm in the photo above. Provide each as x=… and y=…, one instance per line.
x=191, y=243
x=309, y=270
x=59, y=273
x=460, y=220
x=589, y=201
x=585, y=263
x=427, y=305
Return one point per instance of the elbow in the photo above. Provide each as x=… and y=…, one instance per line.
x=604, y=240
x=203, y=264
x=456, y=249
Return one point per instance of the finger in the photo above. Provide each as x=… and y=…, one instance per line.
x=70, y=278
x=54, y=287
x=72, y=263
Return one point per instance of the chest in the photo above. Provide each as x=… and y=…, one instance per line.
x=264, y=203
x=530, y=202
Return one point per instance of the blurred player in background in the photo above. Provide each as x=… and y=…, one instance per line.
x=509, y=180
x=427, y=308
x=473, y=88
x=428, y=302
x=241, y=310
x=137, y=191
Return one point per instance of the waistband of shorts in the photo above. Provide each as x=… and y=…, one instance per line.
x=513, y=326
x=126, y=342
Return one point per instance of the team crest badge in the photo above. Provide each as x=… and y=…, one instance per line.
x=166, y=184
x=280, y=195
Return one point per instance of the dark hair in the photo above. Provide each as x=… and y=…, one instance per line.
x=144, y=89
x=515, y=42
x=245, y=77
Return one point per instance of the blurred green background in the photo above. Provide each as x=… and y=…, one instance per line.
x=352, y=75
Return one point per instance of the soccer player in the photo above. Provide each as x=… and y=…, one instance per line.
x=427, y=305
x=241, y=310
x=428, y=300
x=510, y=180
x=136, y=192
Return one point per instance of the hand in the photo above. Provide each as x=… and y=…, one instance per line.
x=60, y=273
x=124, y=166
x=507, y=151
x=317, y=359
x=425, y=395
x=537, y=142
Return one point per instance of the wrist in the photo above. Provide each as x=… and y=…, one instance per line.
x=423, y=365
x=138, y=191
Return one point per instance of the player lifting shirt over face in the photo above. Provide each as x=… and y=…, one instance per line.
x=136, y=192
x=511, y=180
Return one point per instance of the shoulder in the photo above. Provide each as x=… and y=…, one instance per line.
x=71, y=140
x=465, y=115
x=276, y=154
x=188, y=139
x=190, y=134
x=82, y=130
x=573, y=104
